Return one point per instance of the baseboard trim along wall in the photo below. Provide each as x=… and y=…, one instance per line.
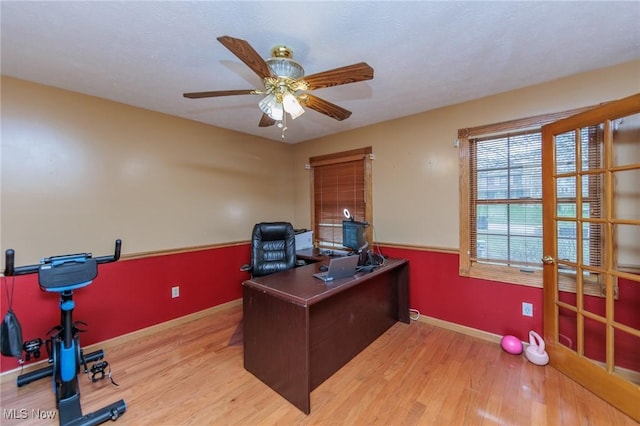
x=463, y=329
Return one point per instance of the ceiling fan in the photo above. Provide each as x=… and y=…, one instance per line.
x=285, y=85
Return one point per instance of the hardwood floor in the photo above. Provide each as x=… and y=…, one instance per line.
x=415, y=374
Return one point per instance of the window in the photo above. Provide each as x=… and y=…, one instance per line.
x=501, y=201
x=340, y=181
x=506, y=199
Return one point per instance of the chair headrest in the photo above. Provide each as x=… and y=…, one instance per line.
x=270, y=231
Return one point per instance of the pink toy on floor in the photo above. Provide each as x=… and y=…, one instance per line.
x=535, y=351
x=511, y=344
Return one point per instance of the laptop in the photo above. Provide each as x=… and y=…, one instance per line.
x=339, y=267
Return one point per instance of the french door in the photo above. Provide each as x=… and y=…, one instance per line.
x=591, y=217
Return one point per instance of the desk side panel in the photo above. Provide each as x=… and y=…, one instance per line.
x=276, y=345
x=402, y=291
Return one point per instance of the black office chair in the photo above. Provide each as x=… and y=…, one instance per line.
x=273, y=248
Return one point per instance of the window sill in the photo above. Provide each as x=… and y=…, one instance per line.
x=505, y=274
x=529, y=278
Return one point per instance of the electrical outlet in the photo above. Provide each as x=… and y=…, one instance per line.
x=527, y=309
x=175, y=292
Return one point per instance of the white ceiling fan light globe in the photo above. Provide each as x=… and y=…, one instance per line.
x=277, y=112
x=266, y=103
x=292, y=106
x=270, y=106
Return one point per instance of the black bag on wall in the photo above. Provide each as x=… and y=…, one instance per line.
x=10, y=330
x=11, y=335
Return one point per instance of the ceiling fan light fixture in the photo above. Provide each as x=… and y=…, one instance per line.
x=292, y=106
x=270, y=106
x=277, y=112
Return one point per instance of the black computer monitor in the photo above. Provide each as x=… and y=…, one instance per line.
x=354, y=235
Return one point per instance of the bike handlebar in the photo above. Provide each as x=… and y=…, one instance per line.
x=115, y=257
x=11, y=270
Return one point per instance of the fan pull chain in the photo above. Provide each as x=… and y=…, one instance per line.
x=283, y=124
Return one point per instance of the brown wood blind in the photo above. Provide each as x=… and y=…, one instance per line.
x=339, y=182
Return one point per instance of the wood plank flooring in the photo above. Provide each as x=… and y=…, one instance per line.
x=415, y=374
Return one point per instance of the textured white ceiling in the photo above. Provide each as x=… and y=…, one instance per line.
x=425, y=54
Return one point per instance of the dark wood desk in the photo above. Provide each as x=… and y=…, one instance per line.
x=299, y=330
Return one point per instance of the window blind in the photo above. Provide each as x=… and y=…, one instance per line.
x=506, y=199
x=339, y=182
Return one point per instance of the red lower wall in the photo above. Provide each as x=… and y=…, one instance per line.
x=438, y=291
x=129, y=295
x=133, y=294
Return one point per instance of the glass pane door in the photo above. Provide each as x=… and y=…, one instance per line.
x=591, y=179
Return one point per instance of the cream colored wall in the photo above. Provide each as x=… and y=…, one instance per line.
x=415, y=172
x=79, y=172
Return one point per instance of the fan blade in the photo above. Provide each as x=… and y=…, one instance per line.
x=344, y=75
x=243, y=50
x=325, y=107
x=266, y=121
x=197, y=95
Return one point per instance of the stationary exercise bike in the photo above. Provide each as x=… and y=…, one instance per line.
x=63, y=275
